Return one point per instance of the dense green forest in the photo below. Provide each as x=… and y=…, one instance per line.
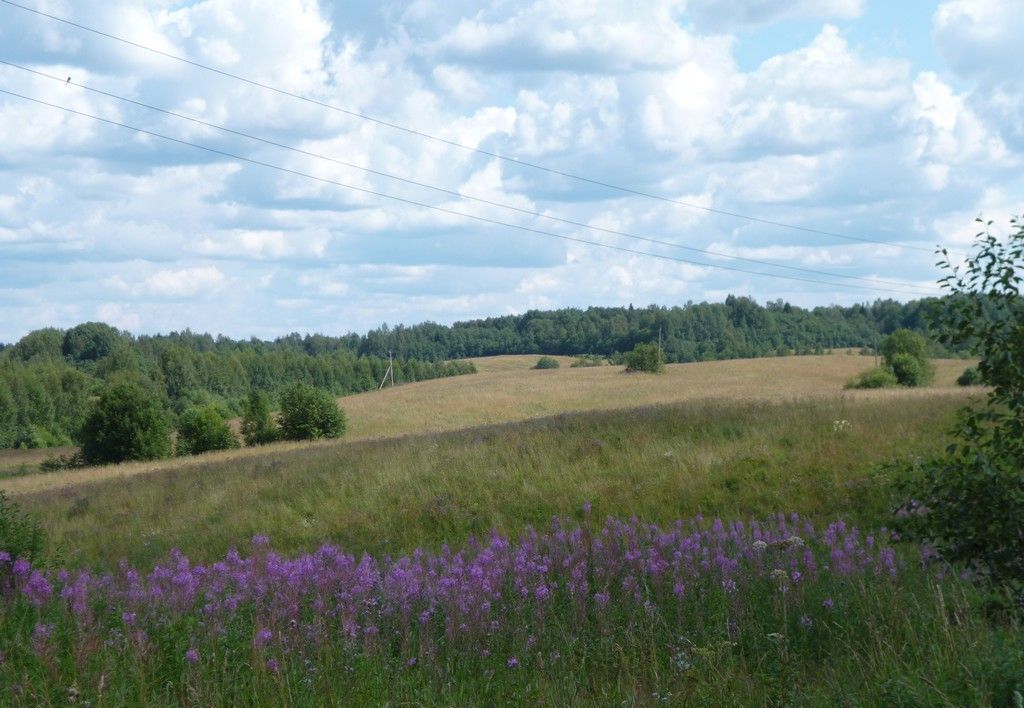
x=48, y=377
x=737, y=328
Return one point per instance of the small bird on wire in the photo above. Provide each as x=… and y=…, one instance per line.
x=68, y=81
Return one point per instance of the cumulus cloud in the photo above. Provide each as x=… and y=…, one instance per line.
x=186, y=282
x=98, y=222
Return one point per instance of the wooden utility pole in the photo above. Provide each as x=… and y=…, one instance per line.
x=389, y=373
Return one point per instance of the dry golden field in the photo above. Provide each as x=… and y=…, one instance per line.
x=506, y=389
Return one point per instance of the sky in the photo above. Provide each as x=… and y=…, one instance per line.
x=895, y=125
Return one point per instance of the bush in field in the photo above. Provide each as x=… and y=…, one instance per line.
x=546, y=362
x=203, y=429
x=970, y=377
x=645, y=357
x=587, y=360
x=906, y=355
x=878, y=377
x=258, y=426
x=308, y=413
x=970, y=503
x=21, y=536
x=126, y=423
x=909, y=370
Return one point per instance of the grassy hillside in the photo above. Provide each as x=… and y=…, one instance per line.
x=731, y=458
x=506, y=389
x=587, y=612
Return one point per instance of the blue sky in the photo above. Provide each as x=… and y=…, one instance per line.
x=890, y=121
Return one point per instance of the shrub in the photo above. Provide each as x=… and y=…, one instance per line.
x=546, y=362
x=877, y=377
x=52, y=463
x=125, y=423
x=587, y=360
x=910, y=371
x=308, y=413
x=970, y=503
x=203, y=429
x=258, y=426
x=906, y=354
x=21, y=536
x=645, y=357
x=970, y=377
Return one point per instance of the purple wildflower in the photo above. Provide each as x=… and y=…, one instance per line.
x=192, y=655
x=512, y=662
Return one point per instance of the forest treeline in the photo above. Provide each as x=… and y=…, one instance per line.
x=737, y=328
x=48, y=377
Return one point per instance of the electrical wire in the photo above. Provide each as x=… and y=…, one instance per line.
x=461, y=195
x=462, y=146
x=445, y=210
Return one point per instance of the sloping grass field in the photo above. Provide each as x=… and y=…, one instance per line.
x=800, y=609
x=506, y=389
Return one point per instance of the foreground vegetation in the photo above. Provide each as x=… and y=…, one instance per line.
x=804, y=623
x=768, y=612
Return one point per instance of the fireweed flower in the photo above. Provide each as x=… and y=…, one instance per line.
x=492, y=594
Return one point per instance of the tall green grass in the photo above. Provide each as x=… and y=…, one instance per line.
x=660, y=463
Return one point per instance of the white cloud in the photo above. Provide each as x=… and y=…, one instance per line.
x=205, y=280
x=948, y=133
x=824, y=134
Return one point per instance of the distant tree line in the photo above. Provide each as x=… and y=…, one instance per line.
x=736, y=328
x=50, y=378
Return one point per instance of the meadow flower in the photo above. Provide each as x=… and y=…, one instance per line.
x=192, y=655
x=512, y=662
x=806, y=622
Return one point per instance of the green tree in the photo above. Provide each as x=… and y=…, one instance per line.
x=258, y=426
x=645, y=357
x=969, y=503
x=308, y=413
x=203, y=429
x=906, y=355
x=89, y=342
x=125, y=423
x=42, y=343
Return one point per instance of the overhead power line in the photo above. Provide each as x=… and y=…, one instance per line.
x=444, y=210
x=462, y=146
x=469, y=197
